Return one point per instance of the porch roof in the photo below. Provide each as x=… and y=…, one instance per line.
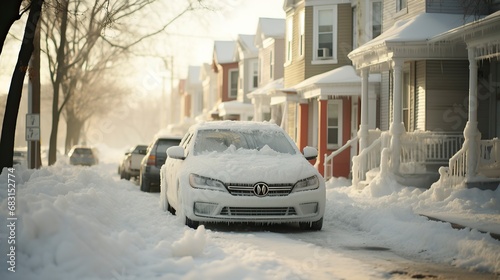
x=342, y=81
x=483, y=34
x=408, y=39
x=235, y=108
x=268, y=88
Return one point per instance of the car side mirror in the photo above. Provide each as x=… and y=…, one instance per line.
x=310, y=152
x=176, y=152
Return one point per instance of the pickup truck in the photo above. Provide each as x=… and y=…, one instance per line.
x=131, y=162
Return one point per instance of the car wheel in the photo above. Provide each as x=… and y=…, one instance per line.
x=317, y=225
x=192, y=224
x=144, y=184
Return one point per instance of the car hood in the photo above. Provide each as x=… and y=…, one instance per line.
x=251, y=167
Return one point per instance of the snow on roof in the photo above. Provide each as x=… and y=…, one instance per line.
x=342, y=75
x=272, y=27
x=269, y=87
x=224, y=51
x=235, y=108
x=419, y=28
x=247, y=43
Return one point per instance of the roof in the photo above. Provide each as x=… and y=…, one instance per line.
x=268, y=88
x=342, y=75
x=269, y=28
x=224, y=51
x=408, y=32
x=483, y=34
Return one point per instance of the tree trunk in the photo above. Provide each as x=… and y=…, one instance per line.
x=61, y=69
x=73, y=129
x=9, y=13
x=16, y=87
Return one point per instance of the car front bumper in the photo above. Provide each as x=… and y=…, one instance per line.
x=214, y=206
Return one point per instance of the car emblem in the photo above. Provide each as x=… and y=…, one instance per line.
x=260, y=189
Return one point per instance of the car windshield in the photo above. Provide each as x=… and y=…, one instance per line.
x=83, y=151
x=219, y=140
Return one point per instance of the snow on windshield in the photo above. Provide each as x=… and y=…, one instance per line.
x=268, y=142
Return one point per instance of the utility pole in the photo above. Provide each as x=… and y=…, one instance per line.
x=33, y=132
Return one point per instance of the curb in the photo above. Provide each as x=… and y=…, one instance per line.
x=459, y=226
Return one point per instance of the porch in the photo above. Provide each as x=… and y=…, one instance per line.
x=424, y=158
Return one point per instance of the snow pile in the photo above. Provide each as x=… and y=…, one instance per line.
x=191, y=244
x=395, y=216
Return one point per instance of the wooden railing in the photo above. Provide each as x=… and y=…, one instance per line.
x=328, y=165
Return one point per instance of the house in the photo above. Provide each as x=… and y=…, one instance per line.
x=321, y=110
x=226, y=66
x=208, y=80
x=193, y=93
x=269, y=40
x=426, y=107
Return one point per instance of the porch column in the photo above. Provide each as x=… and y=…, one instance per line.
x=363, y=128
x=471, y=133
x=322, y=133
x=397, y=127
x=303, y=124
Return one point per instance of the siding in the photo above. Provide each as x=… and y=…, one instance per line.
x=390, y=16
x=301, y=68
x=447, y=95
x=444, y=6
x=384, y=100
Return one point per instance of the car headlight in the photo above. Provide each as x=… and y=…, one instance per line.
x=200, y=182
x=307, y=184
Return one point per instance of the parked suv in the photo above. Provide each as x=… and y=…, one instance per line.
x=149, y=175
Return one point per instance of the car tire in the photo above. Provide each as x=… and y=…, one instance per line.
x=317, y=225
x=145, y=186
x=192, y=224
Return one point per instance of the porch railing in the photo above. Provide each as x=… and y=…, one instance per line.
x=456, y=171
x=421, y=149
x=328, y=165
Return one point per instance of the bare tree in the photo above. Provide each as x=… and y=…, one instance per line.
x=16, y=86
x=81, y=25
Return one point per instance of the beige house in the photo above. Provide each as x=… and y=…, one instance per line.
x=425, y=107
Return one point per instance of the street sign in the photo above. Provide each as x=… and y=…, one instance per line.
x=32, y=134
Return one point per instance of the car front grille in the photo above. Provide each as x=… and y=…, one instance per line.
x=258, y=211
x=247, y=189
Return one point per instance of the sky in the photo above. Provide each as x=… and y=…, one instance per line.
x=86, y=223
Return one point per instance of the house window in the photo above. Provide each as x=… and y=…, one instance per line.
x=376, y=11
x=406, y=106
x=233, y=83
x=325, y=33
x=401, y=5
x=255, y=75
x=260, y=70
x=289, y=33
x=334, y=123
x=301, y=32
x=271, y=65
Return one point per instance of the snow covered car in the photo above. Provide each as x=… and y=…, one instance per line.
x=238, y=171
x=131, y=162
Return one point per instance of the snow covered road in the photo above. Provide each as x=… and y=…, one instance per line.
x=85, y=223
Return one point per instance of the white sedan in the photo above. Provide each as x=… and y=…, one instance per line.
x=236, y=171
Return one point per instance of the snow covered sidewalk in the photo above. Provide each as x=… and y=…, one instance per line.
x=85, y=223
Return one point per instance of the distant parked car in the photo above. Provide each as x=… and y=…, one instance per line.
x=81, y=155
x=238, y=171
x=131, y=162
x=149, y=174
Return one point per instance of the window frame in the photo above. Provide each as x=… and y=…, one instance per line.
x=289, y=39
x=372, y=2
x=229, y=84
x=302, y=20
x=333, y=59
x=338, y=144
